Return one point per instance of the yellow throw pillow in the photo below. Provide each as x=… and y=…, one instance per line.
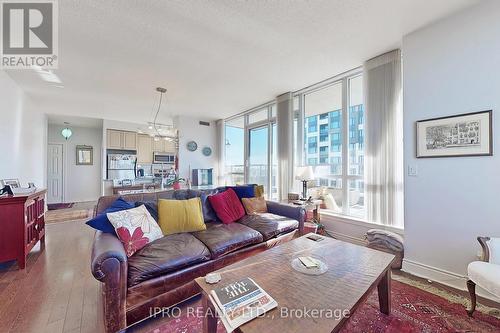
x=254, y=205
x=259, y=191
x=176, y=216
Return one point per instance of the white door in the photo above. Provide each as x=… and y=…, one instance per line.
x=55, y=173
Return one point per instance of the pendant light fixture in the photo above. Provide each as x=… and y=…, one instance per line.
x=160, y=129
x=66, y=132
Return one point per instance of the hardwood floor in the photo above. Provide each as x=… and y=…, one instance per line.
x=56, y=292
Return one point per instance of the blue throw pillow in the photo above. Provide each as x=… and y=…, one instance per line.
x=206, y=207
x=101, y=222
x=244, y=191
x=152, y=208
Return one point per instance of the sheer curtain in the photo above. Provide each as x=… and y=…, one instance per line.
x=384, y=139
x=284, y=121
x=221, y=150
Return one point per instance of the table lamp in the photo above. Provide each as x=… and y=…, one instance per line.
x=305, y=174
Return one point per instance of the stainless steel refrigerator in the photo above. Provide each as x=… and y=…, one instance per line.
x=121, y=166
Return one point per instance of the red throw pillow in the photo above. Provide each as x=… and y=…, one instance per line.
x=227, y=206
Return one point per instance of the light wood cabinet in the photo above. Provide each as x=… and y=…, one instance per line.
x=158, y=146
x=129, y=140
x=163, y=146
x=114, y=139
x=121, y=140
x=170, y=147
x=144, y=149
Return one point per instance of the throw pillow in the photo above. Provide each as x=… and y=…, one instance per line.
x=227, y=206
x=178, y=216
x=135, y=228
x=244, y=191
x=101, y=222
x=259, y=191
x=208, y=212
x=254, y=205
x=152, y=208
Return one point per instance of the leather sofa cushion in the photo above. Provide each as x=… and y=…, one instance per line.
x=269, y=225
x=167, y=254
x=222, y=239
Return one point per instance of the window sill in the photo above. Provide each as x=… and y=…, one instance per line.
x=359, y=221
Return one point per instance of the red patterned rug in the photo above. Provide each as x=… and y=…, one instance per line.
x=413, y=310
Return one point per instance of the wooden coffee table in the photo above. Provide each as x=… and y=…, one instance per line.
x=354, y=271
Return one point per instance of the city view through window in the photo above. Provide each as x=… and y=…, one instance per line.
x=333, y=137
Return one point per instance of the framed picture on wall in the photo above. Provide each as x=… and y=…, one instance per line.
x=13, y=183
x=84, y=155
x=467, y=134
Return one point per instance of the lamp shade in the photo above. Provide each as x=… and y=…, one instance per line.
x=305, y=173
x=66, y=133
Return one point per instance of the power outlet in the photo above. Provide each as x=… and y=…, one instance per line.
x=412, y=170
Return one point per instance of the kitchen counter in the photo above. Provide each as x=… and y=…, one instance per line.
x=138, y=188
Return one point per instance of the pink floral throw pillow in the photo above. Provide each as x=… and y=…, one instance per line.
x=135, y=228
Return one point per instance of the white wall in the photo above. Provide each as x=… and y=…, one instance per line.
x=23, y=135
x=451, y=67
x=81, y=182
x=205, y=136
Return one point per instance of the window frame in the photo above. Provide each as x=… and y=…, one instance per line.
x=270, y=108
x=345, y=176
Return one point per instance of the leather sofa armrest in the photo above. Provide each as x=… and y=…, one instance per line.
x=109, y=265
x=294, y=212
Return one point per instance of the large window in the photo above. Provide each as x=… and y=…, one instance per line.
x=337, y=150
x=251, y=150
x=234, y=154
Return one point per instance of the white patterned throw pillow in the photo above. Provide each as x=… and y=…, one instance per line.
x=135, y=228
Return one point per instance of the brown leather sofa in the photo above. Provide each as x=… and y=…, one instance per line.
x=162, y=273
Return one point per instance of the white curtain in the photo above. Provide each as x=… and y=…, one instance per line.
x=221, y=150
x=384, y=139
x=284, y=121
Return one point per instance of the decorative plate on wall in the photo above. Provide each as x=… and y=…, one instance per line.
x=207, y=151
x=192, y=146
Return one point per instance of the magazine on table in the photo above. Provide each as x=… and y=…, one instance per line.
x=240, y=302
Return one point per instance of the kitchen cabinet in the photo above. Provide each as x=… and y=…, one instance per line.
x=121, y=140
x=114, y=139
x=129, y=140
x=144, y=149
x=163, y=146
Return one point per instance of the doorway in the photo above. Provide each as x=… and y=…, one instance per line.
x=55, y=173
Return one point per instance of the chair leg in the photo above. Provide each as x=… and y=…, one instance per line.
x=472, y=291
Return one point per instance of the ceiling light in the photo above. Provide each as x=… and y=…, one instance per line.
x=66, y=132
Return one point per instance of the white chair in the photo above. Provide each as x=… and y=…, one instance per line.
x=485, y=273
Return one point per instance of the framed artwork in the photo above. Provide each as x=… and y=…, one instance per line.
x=468, y=134
x=13, y=183
x=84, y=155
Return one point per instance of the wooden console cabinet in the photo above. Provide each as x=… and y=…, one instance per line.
x=22, y=225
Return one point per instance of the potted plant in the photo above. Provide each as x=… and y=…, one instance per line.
x=175, y=182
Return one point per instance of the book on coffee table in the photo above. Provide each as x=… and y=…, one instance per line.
x=240, y=302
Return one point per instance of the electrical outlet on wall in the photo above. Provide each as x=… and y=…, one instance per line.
x=412, y=170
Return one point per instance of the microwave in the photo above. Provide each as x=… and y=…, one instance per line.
x=163, y=158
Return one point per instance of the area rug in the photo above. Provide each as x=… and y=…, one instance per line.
x=413, y=310
x=60, y=206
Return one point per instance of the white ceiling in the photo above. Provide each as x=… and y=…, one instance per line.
x=74, y=121
x=216, y=58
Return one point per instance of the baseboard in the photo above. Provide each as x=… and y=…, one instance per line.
x=346, y=238
x=442, y=276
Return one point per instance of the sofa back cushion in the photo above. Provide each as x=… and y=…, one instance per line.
x=227, y=206
x=176, y=216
